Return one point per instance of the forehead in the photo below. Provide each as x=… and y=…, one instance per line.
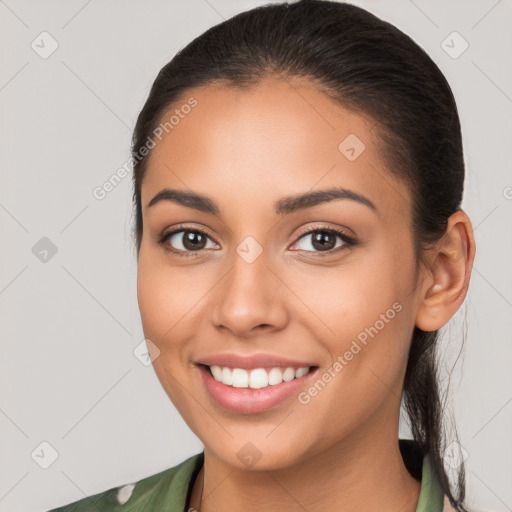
x=277, y=138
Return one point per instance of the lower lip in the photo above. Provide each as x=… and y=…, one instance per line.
x=248, y=400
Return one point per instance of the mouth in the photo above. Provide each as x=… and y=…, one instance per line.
x=256, y=378
x=254, y=390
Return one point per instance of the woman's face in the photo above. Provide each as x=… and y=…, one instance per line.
x=265, y=278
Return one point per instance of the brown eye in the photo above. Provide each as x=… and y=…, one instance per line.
x=185, y=241
x=192, y=240
x=324, y=240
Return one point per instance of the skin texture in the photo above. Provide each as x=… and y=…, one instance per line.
x=246, y=149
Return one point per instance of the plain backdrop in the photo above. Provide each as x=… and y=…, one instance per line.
x=74, y=397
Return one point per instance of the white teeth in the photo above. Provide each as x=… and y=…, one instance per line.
x=216, y=372
x=226, y=377
x=257, y=378
x=288, y=374
x=240, y=378
x=301, y=371
x=275, y=376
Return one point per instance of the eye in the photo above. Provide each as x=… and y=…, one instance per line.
x=324, y=240
x=184, y=242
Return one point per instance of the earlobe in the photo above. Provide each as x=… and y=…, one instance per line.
x=451, y=262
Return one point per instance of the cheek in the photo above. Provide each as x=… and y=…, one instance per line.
x=371, y=324
x=153, y=297
x=162, y=293
x=172, y=302
x=162, y=305
x=348, y=299
x=368, y=310
x=160, y=297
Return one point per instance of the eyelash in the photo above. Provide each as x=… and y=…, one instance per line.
x=349, y=241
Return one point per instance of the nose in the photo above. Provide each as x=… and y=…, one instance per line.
x=249, y=300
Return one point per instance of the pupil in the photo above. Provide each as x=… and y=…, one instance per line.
x=319, y=241
x=191, y=240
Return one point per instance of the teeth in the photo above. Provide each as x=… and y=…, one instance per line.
x=240, y=378
x=226, y=376
x=275, y=376
x=288, y=374
x=301, y=372
x=216, y=372
x=257, y=378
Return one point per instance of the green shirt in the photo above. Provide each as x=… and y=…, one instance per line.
x=170, y=489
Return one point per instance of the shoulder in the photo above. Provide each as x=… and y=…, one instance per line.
x=155, y=492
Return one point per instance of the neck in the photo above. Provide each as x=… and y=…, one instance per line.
x=351, y=476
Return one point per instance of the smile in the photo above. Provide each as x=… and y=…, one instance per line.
x=256, y=378
x=256, y=390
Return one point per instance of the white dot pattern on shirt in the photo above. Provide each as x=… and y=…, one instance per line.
x=124, y=493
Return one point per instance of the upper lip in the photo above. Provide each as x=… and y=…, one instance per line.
x=252, y=361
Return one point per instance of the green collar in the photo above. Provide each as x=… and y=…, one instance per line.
x=430, y=499
x=431, y=495
x=169, y=490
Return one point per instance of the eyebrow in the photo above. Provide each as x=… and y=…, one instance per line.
x=283, y=206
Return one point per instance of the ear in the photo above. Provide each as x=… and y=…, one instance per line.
x=446, y=281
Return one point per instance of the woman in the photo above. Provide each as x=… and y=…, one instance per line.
x=298, y=178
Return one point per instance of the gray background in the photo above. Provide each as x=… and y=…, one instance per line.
x=70, y=320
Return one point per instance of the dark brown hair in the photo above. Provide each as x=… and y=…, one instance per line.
x=368, y=66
